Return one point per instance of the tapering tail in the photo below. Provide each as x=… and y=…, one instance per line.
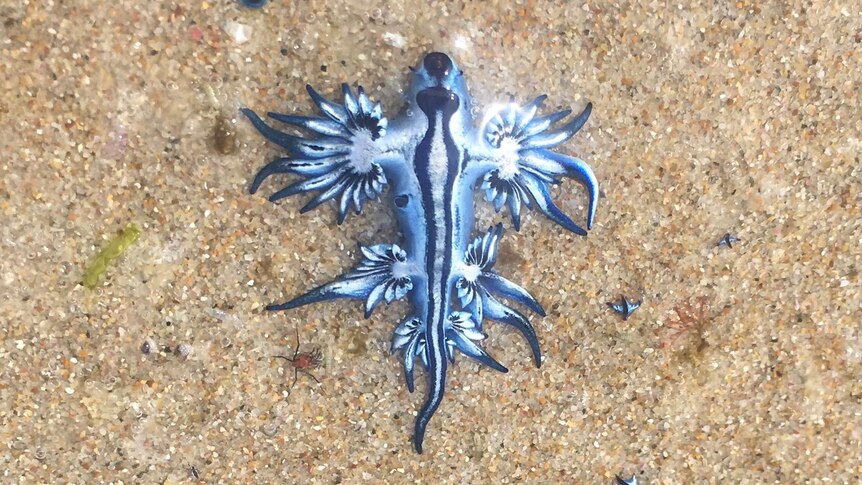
x=435, y=349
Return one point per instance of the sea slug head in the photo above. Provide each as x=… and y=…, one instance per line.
x=438, y=70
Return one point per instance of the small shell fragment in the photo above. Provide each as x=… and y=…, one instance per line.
x=240, y=33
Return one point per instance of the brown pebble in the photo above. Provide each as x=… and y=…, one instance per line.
x=223, y=135
x=357, y=343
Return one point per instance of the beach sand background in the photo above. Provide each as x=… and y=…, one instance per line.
x=742, y=366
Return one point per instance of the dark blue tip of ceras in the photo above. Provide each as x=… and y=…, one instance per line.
x=343, y=287
x=283, y=140
x=576, y=124
x=573, y=127
x=501, y=313
x=313, y=296
x=288, y=142
x=438, y=65
x=497, y=284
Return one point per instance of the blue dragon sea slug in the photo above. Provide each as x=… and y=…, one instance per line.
x=428, y=161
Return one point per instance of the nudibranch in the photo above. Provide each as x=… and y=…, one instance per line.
x=432, y=157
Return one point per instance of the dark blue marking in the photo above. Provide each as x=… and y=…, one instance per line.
x=401, y=201
x=728, y=240
x=626, y=307
x=436, y=102
x=253, y=3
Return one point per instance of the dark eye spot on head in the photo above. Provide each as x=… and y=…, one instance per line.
x=437, y=64
x=401, y=201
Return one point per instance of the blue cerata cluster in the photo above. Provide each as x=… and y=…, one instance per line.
x=431, y=159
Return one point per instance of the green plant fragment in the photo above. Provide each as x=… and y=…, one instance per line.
x=115, y=248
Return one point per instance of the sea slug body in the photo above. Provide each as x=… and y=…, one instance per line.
x=431, y=159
